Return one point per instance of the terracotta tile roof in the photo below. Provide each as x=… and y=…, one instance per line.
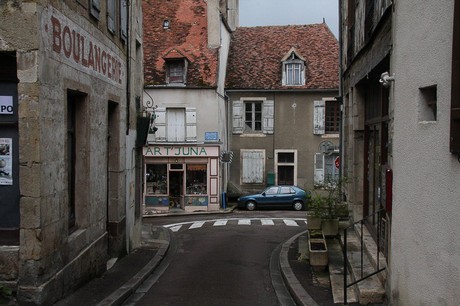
x=186, y=37
x=256, y=54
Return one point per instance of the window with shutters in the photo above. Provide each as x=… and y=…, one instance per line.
x=253, y=116
x=124, y=20
x=174, y=124
x=326, y=117
x=252, y=166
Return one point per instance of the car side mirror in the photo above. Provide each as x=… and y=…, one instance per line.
x=263, y=193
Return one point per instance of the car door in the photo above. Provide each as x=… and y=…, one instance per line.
x=285, y=196
x=269, y=197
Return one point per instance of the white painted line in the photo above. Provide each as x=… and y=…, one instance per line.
x=244, y=222
x=290, y=222
x=175, y=228
x=197, y=224
x=220, y=223
x=267, y=222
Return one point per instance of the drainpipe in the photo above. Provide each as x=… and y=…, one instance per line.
x=340, y=98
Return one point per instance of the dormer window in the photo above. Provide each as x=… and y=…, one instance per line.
x=176, y=71
x=293, y=69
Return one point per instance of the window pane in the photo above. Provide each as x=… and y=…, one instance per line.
x=332, y=119
x=286, y=157
x=271, y=190
x=285, y=175
x=253, y=116
x=156, y=177
x=196, y=179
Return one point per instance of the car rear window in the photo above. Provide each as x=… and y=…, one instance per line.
x=287, y=190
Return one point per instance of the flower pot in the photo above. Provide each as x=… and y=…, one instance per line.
x=313, y=223
x=330, y=227
x=318, y=253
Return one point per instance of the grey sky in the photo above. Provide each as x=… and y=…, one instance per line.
x=289, y=12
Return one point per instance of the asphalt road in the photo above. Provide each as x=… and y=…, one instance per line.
x=224, y=260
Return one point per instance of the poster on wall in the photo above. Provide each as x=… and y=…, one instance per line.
x=6, y=105
x=6, y=161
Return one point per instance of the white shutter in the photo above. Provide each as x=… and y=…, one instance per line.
x=319, y=169
x=190, y=121
x=175, y=122
x=95, y=8
x=160, y=123
x=238, y=122
x=319, y=117
x=253, y=166
x=268, y=113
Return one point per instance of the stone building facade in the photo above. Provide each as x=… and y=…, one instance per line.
x=400, y=72
x=70, y=88
x=186, y=46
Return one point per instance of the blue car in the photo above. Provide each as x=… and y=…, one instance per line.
x=276, y=197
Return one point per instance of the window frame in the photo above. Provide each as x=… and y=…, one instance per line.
x=294, y=68
x=332, y=117
x=292, y=164
x=180, y=78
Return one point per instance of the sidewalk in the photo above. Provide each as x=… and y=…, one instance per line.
x=307, y=287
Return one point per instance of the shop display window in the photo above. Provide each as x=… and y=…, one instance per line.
x=156, y=178
x=196, y=179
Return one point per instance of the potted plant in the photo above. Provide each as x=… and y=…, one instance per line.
x=315, y=213
x=330, y=206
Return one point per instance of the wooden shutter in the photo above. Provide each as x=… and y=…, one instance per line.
x=124, y=19
x=190, y=121
x=319, y=117
x=238, y=122
x=160, y=123
x=111, y=16
x=95, y=8
x=253, y=166
x=268, y=112
x=319, y=169
x=175, y=122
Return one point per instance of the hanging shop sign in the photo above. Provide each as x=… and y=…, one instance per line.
x=180, y=151
x=6, y=105
x=6, y=162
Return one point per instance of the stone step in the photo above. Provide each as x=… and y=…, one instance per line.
x=336, y=274
x=370, y=290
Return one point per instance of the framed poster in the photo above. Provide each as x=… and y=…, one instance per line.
x=6, y=161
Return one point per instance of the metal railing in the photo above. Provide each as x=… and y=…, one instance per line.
x=345, y=259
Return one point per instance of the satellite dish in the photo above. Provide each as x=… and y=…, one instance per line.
x=326, y=147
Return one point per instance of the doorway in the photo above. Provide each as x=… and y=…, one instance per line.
x=176, y=188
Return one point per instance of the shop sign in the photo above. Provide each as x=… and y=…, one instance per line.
x=180, y=151
x=6, y=105
x=71, y=44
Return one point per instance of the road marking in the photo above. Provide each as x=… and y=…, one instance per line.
x=244, y=222
x=175, y=228
x=220, y=223
x=197, y=224
x=267, y=222
x=290, y=222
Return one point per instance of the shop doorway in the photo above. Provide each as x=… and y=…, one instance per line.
x=176, y=188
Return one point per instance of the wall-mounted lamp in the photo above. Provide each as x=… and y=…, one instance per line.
x=386, y=79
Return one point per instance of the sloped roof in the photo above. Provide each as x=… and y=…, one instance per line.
x=256, y=54
x=186, y=37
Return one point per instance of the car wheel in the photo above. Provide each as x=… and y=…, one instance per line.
x=251, y=205
x=298, y=205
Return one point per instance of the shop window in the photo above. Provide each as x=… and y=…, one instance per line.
x=196, y=179
x=156, y=178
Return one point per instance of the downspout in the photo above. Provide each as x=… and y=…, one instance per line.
x=340, y=97
x=128, y=67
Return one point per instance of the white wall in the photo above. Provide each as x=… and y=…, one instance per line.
x=425, y=254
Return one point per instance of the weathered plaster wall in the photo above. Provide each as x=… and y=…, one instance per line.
x=425, y=261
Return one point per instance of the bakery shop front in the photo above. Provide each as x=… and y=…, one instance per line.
x=181, y=178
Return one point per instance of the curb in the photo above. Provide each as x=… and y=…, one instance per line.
x=128, y=288
x=299, y=294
